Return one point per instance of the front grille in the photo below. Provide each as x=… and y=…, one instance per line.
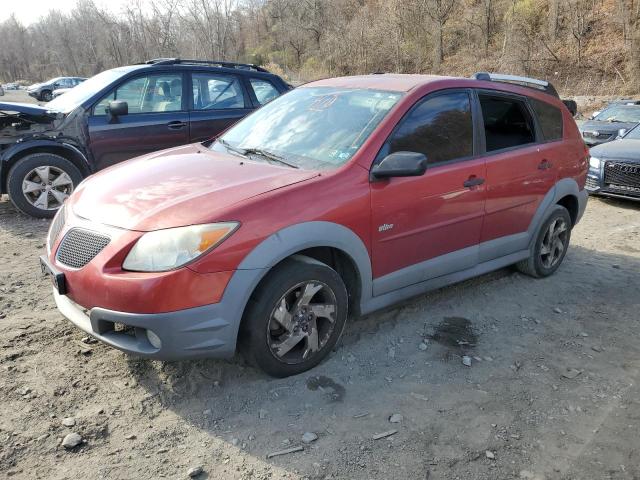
x=56, y=226
x=80, y=246
x=620, y=175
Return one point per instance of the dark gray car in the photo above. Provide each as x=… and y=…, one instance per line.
x=605, y=126
x=614, y=168
x=44, y=91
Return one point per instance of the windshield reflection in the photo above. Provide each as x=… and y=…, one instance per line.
x=312, y=127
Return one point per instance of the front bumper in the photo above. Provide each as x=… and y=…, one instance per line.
x=34, y=94
x=596, y=185
x=207, y=331
x=172, y=315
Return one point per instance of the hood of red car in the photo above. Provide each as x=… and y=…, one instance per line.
x=182, y=186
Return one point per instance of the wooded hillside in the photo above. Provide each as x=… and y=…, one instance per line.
x=583, y=46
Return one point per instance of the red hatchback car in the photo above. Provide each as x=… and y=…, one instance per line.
x=341, y=197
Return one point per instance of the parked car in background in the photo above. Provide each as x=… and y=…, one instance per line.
x=1, y=90
x=11, y=86
x=45, y=151
x=344, y=195
x=59, y=91
x=605, y=125
x=44, y=91
x=614, y=167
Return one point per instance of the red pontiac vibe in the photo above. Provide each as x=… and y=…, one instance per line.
x=341, y=197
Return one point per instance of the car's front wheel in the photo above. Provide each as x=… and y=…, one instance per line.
x=551, y=245
x=295, y=317
x=39, y=183
x=46, y=96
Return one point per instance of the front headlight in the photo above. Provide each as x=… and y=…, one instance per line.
x=171, y=248
x=594, y=163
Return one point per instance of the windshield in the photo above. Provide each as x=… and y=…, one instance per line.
x=620, y=113
x=74, y=97
x=633, y=134
x=314, y=128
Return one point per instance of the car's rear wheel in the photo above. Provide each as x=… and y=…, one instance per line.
x=39, y=183
x=46, y=96
x=294, y=318
x=551, y=245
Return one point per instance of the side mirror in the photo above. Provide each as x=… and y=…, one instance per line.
x=117, y=108
x=621, y=133
x=595, y=114
x=400, y=164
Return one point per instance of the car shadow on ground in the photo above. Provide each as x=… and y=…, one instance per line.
x=394, y=360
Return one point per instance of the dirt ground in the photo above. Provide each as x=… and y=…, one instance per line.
x=552, y=392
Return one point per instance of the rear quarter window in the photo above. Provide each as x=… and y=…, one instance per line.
x=549, y=119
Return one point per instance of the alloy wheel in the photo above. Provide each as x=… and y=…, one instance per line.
x=302, y=322
x=47, y=187
x=554, y=243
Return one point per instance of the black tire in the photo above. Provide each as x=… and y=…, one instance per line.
x=20, y=172
x=540, y=264
x=46, y=96
x=261, y=333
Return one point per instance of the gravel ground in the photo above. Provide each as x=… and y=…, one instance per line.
x=552, y=391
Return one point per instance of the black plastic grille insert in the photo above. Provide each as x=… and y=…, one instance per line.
x=80, y=246
x=622, y=174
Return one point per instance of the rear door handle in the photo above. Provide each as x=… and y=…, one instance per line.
x=544, y=164
x=177, y=124
x=473, y=181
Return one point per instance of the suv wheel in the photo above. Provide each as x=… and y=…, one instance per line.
x=295, y=317
x=551, y=245
x=39, y=183
x=46, y=96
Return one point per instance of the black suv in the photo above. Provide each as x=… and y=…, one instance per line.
x=45, y=151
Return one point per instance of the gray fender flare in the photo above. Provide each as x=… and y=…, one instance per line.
x=283, y=244
x=562, y=188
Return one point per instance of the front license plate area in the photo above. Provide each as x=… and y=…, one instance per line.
x=57, y=278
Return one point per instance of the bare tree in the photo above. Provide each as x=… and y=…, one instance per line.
x=439, y=11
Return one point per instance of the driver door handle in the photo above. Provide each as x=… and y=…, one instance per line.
x=473, y=181
x=176, y=124
x=544, y=164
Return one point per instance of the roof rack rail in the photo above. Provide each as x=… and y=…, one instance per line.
x=534, y=83
x=219, y=63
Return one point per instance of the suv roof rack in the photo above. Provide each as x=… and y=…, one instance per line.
x=218, y=63
x=534, y=83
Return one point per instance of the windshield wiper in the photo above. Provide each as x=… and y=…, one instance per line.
x=231, y=148
x=269, y=156
x=245, y=152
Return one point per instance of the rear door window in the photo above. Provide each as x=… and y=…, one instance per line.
x=212, y=91
x=507, y=122
x=264, y=90
x=441, y=127
x=549, y=119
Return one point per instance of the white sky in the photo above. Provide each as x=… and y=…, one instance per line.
x=29, y=11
